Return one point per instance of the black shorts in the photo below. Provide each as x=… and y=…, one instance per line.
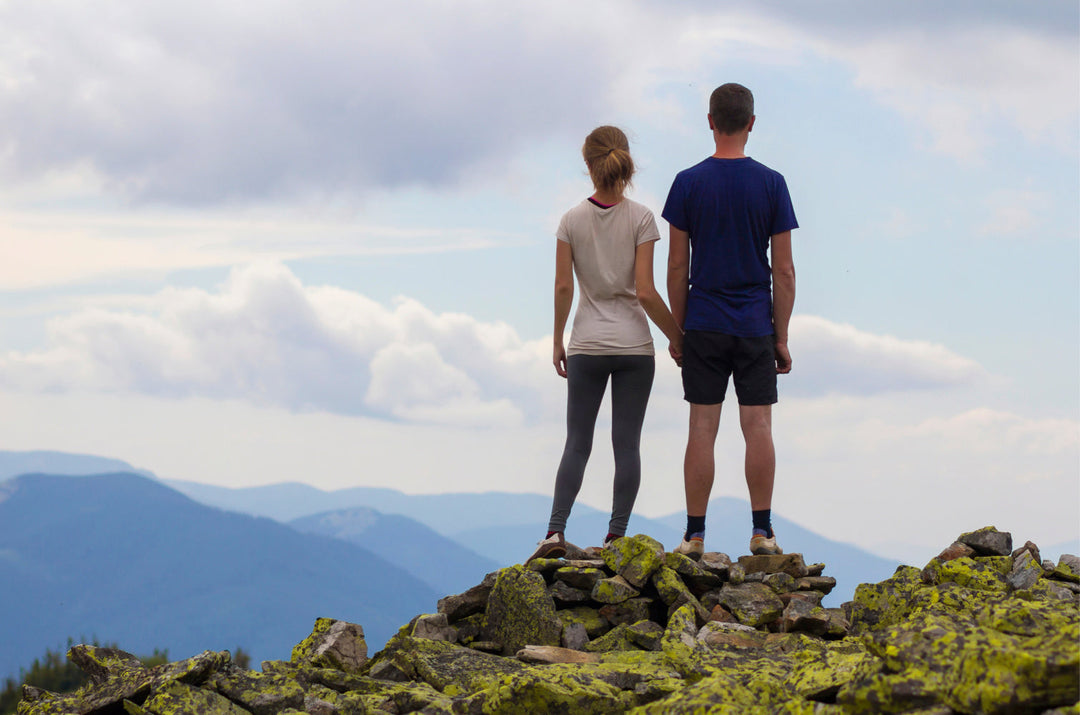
x=710, y=358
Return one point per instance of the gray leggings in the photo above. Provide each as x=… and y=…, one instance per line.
x=587, y=377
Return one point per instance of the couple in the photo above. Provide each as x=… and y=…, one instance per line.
x=729, y=317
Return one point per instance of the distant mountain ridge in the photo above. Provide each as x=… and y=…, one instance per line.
x=124, y=558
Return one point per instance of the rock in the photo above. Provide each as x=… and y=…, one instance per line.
x=1025, y=572
x=1030, y=548
x=520, y=612
x=815, y=569
x=434, y=626
x=824, y=584
x=634, y=558
x=955, y=551
x=551, y=654
x=333, y=644
x=613, y=590
x=791, y=564
x=1067, y=569
x=721, y=615
x=753, y=604
x=472, y=601
x=812, y=597
x=565, y=594
x=574, y=637
x=646, y=634
x=988, y=541
x=589, y=618
x=716, y=563
x=630, y=611
x=177, y=697
x=259, y=693
x=616, y=639
x=734, y=635
x=780, y=583
x=583, y=578
x=804, y=616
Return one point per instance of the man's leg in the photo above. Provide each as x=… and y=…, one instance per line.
x=756, y=423
x=699, y=465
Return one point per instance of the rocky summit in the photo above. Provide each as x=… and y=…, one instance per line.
x=982, y=628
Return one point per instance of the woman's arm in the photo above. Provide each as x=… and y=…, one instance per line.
x=650, y=299
x=564, y=298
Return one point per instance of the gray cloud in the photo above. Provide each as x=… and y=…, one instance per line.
x=199, y=103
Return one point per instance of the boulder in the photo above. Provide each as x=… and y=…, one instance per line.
x=520, y=612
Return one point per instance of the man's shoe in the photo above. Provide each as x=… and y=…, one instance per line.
x=761, y=545
x=553, y=547
x=693, y=548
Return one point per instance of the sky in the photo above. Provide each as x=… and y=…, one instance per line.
x=247, y=243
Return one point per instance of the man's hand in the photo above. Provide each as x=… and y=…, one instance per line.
x=675, y=350
x=783, y=359
x=559, y=359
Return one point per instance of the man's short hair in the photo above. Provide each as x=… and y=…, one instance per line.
x=731, y=106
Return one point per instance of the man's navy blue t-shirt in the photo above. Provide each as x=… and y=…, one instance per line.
x=730, y=208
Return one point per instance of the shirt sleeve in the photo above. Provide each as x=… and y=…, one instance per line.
x=647, y=230
x=784, y=215
x=563, y=232
x=675, y=206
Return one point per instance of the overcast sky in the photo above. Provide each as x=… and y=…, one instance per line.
x=246, y=243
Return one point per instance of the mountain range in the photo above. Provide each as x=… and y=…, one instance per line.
x=91, y=547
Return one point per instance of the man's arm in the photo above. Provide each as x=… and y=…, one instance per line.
x=783, y=274
x=564, y=297
x=678, y=273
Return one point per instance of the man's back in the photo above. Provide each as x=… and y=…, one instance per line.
x=730, y=208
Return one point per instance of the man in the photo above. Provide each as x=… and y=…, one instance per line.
x=734, y=306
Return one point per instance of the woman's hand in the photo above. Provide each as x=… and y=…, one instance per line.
x=559, y=359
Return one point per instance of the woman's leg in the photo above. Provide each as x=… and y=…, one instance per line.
x=586, y=381
x=631, y=383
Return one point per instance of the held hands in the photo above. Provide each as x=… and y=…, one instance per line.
x=675, y=349
x=559, y=359
x=783, y=359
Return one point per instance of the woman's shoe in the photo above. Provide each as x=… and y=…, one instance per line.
x=553, y=547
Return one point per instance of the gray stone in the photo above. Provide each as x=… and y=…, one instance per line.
x=824, y=584
x=472, y=601
x=1025, y=572
x=435, y=627
x=646, y=634
x=736, y=574
x=804, y=616
x=780, y=582
x=1031, y=548
x=754, y=604
x=791, y=564
x=988, y=541
x=563, y=593
x=579, y=577
x=574, y=636
x=731, y=635
x=547, y=654
x=613, y=590
x=333, y=644
x=630, y=611
x=956, y=550
x=811, y=597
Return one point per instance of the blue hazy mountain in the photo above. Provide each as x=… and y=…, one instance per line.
x=440, y=562
x=120, y=557
x=505, y=527
x=12, y=464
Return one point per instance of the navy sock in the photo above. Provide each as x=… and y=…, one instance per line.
x=694, y=525
x=763, y=521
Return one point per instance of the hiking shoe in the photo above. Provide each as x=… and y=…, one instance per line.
x=761, y=545
x=553, y=547
x=693, y=548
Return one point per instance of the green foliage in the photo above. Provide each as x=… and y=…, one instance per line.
x=55, y=673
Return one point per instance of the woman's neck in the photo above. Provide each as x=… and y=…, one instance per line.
x=607, y=197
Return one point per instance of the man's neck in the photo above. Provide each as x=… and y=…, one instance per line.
x=730, y=146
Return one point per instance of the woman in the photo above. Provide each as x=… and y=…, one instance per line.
x=607, y=241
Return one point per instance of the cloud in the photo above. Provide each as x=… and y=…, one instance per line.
x=836, y=358
x=267, y=339
x=199, y=103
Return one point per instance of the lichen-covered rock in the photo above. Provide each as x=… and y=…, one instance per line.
x=434, y=626
x=589, y=618
x=1025, y=572
x=614, y=590
x=629, y=611
x=333, y=644
x=564, y=594
x=582, y=578
x=260, y=693
x=177, y=697
x=634, y=558
x=520, y=612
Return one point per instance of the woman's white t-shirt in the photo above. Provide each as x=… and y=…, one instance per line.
x=609, y=320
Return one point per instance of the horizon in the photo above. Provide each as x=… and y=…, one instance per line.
x=245, y=247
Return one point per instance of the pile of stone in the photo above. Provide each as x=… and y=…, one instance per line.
x=624, y=596
x=981, y=629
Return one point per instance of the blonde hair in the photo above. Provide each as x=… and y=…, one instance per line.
x=607, y=155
